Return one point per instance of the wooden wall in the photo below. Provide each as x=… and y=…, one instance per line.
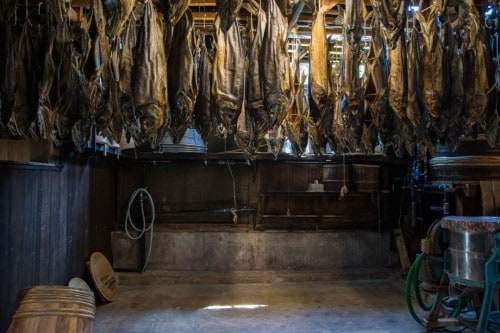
x=187, y=191
x=195, y=191
x=50, y=223
x=53, y=216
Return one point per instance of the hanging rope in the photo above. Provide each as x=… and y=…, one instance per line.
x=344, y=190
x=288, y=189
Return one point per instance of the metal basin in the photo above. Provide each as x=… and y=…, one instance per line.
x=470, y=245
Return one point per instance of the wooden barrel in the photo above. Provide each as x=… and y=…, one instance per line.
x=335, y=176
x=472, y=160
x=54, y=309
x=365, y=177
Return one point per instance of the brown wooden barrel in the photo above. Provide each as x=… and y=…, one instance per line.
x=365, y=177
x=472, y=160
x=54, y=309
x=335, y=176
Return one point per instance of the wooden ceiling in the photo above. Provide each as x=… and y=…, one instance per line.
x=204, y=11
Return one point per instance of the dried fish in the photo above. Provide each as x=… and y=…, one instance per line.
x=438, y=6
x=229, y=75
x=431, y=71
x=397, y=79
x=7, y=75
x=82, y=40
x=413, y=109
x=59, y=11
x=203, y=108
x=227, y=11
x=350, y=81
x=149, y=79
x=296, y=121
x=27, y=71
x=244, y=136
x=121, y=15
x=392, y=16
x=276, y=65
x=176, y=10
x=127, y=116
x=376, y=93
x=100, y=80
x=455, y=116
x=45, y=111
x=182, y=87
x=73, y=107
x=320, y=91
x=350, y=84
x=476, y=83
x=457, y=82
x=255, y=93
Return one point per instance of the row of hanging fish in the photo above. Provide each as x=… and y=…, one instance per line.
x=426, y=79
x=140, y=69
x=107, y=71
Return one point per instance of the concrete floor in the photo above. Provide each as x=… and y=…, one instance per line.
x=338, y=306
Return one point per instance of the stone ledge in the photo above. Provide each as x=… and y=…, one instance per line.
x=159, y=277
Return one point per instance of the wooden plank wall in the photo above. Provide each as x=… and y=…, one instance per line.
x=187, y=191
x=288, y=176
x=45, y=226
x=102, y=204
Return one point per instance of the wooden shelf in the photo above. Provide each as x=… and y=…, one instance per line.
x=317, y=210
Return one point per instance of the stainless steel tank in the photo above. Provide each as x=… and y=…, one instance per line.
x=470, y=245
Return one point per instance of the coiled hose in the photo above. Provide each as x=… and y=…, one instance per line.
x=145, y=227
x=412, y=280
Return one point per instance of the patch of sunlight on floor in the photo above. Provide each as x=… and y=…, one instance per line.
x=239, y=306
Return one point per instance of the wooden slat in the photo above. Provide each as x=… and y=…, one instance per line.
x=487, y=198
x=43, y=228
x=495, y=185
x=402, y=251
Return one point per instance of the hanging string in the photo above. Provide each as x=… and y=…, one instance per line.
x=288, y=189
x=235, y=204
x=344, y=190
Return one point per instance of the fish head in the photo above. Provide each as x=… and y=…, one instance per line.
x=432, y=102
x=182, y=102
x=151, y=120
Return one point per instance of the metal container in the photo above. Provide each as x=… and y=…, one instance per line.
x=468, y=253
x=191, y=142
x=470, y=245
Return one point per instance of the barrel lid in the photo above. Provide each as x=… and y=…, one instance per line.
x=471, y=223
x=103, y=276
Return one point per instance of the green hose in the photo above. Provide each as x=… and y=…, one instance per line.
x=412, y=279
x=416, y=286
